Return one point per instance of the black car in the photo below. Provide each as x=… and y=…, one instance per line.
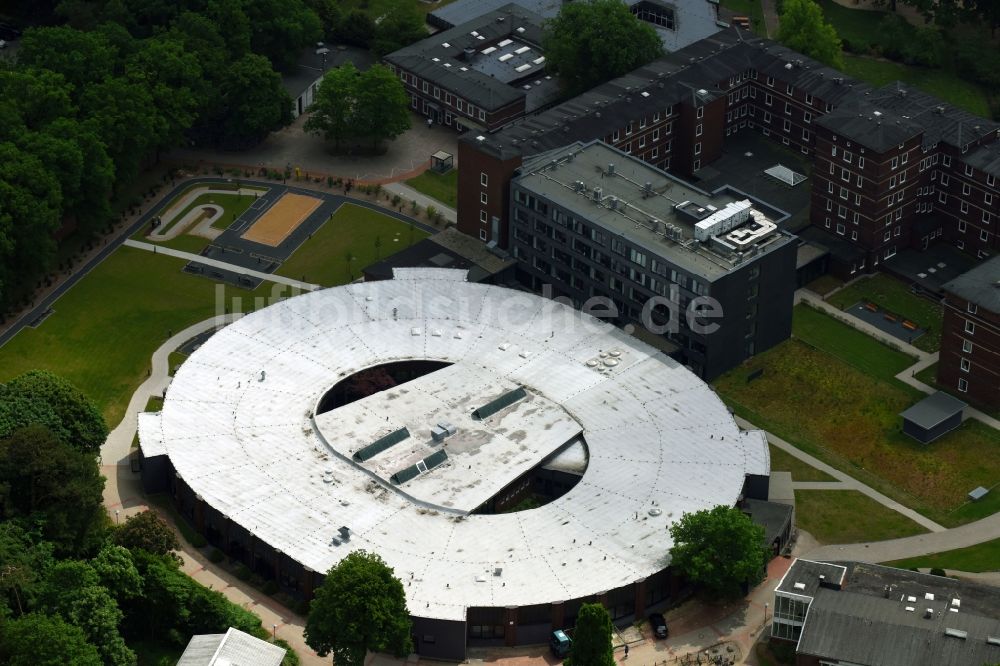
x=658, y=625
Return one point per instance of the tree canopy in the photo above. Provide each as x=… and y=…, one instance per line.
x=146, y=531
x=42, y=398
x=804, y=30
x=719, y=549
x=370, y=104
x=588, y=43
x=592, y=644
x=43, y=640
x=360, y=606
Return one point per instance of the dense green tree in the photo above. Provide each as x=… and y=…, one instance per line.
x=253, y=102
x=229, y=13
x=383, y=107
x=720, y=549
x=280, y=29
x=329, y=15
x=588, y=43
x=40, y=640
x=23, y=564
x=116, y=571
x=370, y=104
x=592, y=644
x=401, y=27
x=356, y=28
x=173, y=78
x=146, y=531
x=333, y=104
x=52, y=488
x=127, y=121
x=30, y=205
x=83, y=58
x=360, y=606
x=803, y=29
x=40, y=397
x=72, y=590
x=38, y=97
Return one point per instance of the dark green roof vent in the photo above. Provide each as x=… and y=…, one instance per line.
x=381, y=444
x=494, y=406
x=425, y=465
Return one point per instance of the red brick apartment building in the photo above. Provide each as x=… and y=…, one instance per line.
x=893, y=167
x=970, y=337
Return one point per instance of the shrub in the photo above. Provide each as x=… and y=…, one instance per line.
x=431, y=212
x=937, y=571
x=329, y=181
x=396, y=199
x=242, y=572
x=301, y=608
x=216, y=556
x=291, y=658
x=269, y=587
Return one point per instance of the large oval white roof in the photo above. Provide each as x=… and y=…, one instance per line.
x=238, y=425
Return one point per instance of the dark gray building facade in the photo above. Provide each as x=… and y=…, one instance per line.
x=709, y=272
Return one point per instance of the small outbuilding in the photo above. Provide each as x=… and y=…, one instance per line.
x=932, y=417
x=230, y=649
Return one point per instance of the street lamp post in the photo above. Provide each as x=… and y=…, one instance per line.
x=765, y=613
x=274, y=631
x=116, y=516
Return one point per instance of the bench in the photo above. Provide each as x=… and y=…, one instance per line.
x=909, y=325
x=871, y=307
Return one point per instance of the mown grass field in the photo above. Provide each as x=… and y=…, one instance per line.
x=981, y=557
x=890, y=294
x=830, y=391
x=444, y=188
x=350, y=240
x=848, y=516
x=104, y=330
x=786, y=462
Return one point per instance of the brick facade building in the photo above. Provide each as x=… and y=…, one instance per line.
x=970, y=336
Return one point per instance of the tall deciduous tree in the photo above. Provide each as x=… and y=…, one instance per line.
x=81, y=57
x=588, y=43
x=40, y=640
x=280, y=29
x=360, y=606
x=804, y=30
x=39, y=397
x=592, y=638
x=401, y=27
x=370, y=104
x=719, y=549
x=53, y=488
x=146, y=531
x=252, y=103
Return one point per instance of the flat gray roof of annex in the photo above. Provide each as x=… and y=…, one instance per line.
x=589, y=164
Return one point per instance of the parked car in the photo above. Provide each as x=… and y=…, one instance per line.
x=560, y=643
x=658, y=625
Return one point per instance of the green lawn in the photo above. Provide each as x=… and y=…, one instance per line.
x=824, y=284
x=858, y=26
x=891, y=294
x=443, y=188
x=847, y=414
x=105, y=329
x=981, y=557
x=848, y=516
x=786, y=462
x=848, y=344
x=939, y=82
x=174, y=360
x=346, y=244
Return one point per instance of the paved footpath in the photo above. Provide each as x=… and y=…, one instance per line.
x=215, y=263
x=410, y=194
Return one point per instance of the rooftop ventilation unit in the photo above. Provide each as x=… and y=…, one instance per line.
x=469, y=52
x=613, y=203
x=611, y=168
x=578, y=186
x=381, y=444
x=731, y=216
x=598, y=192
x=929, y=613
x=506, y=400
x=345, y=533
x=647, y=190
x=956, y=633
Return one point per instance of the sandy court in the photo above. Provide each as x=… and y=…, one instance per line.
x=281, y=219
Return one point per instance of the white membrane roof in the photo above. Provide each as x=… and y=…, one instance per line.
x=238, y=426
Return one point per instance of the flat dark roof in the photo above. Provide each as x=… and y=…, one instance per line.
x=933, y=410
x=981, y=285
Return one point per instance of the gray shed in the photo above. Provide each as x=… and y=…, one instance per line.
x=933, y=416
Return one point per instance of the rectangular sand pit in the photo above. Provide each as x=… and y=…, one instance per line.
x=281, y=219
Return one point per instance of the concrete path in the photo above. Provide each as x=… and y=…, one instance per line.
x=971, y=534
x=821, y=485
x=769, y=9
x=215, y=263
x=410, y=194
x=849, y=483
